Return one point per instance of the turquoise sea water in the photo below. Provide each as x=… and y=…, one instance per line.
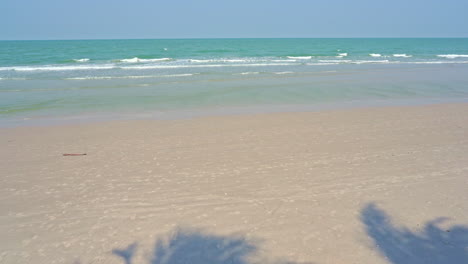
x=42, y=80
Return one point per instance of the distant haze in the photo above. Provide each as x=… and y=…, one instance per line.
x=123, y=19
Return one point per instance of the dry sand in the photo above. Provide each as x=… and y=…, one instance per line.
x=346, y=186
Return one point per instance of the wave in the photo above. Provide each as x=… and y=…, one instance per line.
x=246, y=73
x=92, y=78
x=58, y=68
x=236, y=60
x=155, y=60
x=247, y=60
x=200, y=61
x=148, y=67
x=299, y=57
x=138, y=60
x=437, y=62
x=366, y=61
x=133, y=60
x=283, y=60
x=179, y=75
x=130, y=76
x=335, y=61
x=81, y=60
x=322, y=63
x=342, y=55
x=285, y=72
x=223, y=60
x=402, y=55
x=453, y=56
x=162, y=63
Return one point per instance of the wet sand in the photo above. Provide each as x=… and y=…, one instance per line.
x=342, y=186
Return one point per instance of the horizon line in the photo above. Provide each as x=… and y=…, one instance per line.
x=195, y=38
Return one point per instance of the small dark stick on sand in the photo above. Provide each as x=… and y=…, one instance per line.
x=74, y=154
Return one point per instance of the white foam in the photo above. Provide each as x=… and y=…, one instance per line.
x=138, y=60
x=402, y=56
x=438, y=62
x=247, y=73
x=133, y=60
x=241, y=60
x=130, y=76
x=81, y=60
x=335, y=61
x=285, y=72
x=375, y=55
x=200, y=61
x=322, y=63
x=91, y=78
x=343, y=54
x=155, y=60
x=236, y=60
x=224, y=60
x=453, y=56
x=148, y=67
x=179, y=75
x=300, y=57
x=283, y=60
x=58, y=68
x=365, y=61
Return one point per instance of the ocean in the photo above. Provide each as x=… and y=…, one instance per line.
x=70, y=80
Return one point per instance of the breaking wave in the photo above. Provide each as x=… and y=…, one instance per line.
x=138, y=60
x=402, y=56
x=246, y=73
x=300, y=57
x=59, y=68
x=130, y=76
x=81, y=60
x=452, y=56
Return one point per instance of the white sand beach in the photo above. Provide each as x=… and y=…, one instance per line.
x=365, y=185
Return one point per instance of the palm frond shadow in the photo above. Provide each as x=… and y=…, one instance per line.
x=188, y=246
x=398, y=245
x=127, y=253
x=432, y=245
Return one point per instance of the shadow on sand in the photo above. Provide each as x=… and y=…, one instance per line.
x=432, y=245
x=188, y=246
x=398, y=245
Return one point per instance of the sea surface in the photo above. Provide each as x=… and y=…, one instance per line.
x=65, y=80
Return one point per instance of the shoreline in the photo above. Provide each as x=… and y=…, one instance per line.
x=336, y=186
x=50, y=101
x=186, y=114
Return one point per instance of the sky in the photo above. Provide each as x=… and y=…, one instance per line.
x=127, y=19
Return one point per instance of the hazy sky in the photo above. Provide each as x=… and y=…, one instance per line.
x=89, y=19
